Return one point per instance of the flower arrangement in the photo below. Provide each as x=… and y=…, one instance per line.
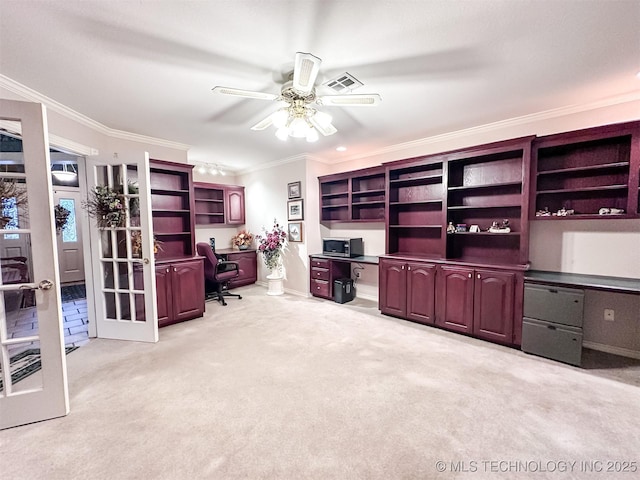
x=136, y=244
x=271, y=244
x=107, y=206
x=62, y=215
x=242, y=239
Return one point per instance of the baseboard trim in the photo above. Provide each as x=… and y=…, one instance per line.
x=601, y=347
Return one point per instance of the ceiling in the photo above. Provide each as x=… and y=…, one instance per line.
x=147, y=67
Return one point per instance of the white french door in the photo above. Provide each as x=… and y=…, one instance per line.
x=30, y=313
x=122, y=255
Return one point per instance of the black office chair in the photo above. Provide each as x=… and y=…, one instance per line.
x=217, y=274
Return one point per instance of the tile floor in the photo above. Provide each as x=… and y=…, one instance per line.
x=23, y=322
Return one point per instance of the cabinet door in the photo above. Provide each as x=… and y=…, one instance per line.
x=163, y=294
x=421, y=292
x=187, y=282
x=234, y=203
x=248, y=264
x=455, y=298
x=393, y=287
x=493, y=305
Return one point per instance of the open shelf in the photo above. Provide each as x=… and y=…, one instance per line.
x=484, y=207
x=488, y=185
x=584, y=189
x=590, y=168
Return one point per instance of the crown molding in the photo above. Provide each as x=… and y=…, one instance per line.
x=495, y=126
x=59, y=143
x=34, y=96
x=275, y=163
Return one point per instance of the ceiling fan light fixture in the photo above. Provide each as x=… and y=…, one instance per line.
x=66, y=172
x=282, y=133
x=279, y=118
x=299, y=128
x=312, y=135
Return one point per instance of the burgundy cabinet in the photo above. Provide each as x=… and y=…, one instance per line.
x=481, y=302
x=247, y=262
x=218, y=205
x=493, y=304
x=392, y=287
x=455, y=298
x=407, y=290
x=322, y=274
x=179, y=290
x=234, y=205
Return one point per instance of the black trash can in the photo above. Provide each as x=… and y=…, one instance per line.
x=343, y=290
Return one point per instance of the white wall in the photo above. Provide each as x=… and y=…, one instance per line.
x=266, y=199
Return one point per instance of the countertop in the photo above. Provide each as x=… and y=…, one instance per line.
x=595, y=282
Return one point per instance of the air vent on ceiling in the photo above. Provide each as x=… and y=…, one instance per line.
x=344, y=83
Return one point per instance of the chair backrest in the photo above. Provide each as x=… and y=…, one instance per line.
x=210, y=260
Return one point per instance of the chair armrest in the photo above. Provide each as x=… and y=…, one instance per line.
x=227, y=266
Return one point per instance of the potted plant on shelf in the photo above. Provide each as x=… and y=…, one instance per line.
x=242, y=239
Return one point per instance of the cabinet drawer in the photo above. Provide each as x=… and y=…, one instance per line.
x=554, y=304
x=320, y=273
x=550, y=340
x=320, y=288
x=321, y=263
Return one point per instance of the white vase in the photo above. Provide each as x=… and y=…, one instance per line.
x=275, y=282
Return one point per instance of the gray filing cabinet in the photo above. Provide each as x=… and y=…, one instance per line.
x=552, y=323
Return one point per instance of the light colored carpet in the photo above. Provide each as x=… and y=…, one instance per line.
x=294, y=388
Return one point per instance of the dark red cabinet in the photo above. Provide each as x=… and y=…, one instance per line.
x=234, y=205
x=407, y=290
x=455, y=298
x=480, y=302
x=493, y=305
x=247, y=263
x=322, y=274
x=179, y=290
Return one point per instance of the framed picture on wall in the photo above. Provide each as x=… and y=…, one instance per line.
x=295, y=232
x=294, y=210
x=294, y=190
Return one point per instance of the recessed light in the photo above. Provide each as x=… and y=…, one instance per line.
x=341, y=149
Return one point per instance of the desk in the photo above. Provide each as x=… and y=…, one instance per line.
x=592, y=282
x=325, y=269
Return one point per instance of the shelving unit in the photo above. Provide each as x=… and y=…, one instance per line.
x=218, y=205
x=357, y=196
x=485, y=185
x=415, y=208
x=587, y=170
x=172, y=209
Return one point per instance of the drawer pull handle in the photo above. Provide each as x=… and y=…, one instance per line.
x=553, y=290
x=551, y=327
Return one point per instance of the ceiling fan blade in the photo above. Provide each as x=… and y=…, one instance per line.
x=263, y=124
x=305, y=71
x=354, y=100
x=324, y=129
x=236, y=92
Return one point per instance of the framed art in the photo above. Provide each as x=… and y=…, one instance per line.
x=294, y=210
x=295, y=232
x=294, y=190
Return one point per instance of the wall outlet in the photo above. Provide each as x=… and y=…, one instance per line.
x=609, y=314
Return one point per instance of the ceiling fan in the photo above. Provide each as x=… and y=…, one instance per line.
x=299, y=118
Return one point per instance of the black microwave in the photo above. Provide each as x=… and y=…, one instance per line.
x=343, y=247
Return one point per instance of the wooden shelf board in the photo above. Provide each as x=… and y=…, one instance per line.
x=415, y=180
x=491, y=185
x=589, y=168
x=584, y=216
x=421, y=202
x=328, y=207
x=584, y=189
x=465, y=207
x=377, y=191
x=162, y=191
x=207, y=200
x=415, y=226
x=333, y=195
x=485, y=233
x=209, y=214
x=368, y=204
x=166, y=211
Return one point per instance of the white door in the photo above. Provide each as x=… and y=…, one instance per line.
x=30, y=317
x=122, y=252
x=70, y=253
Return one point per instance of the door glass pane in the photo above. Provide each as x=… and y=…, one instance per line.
x=20, y=363
x=69, y=231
